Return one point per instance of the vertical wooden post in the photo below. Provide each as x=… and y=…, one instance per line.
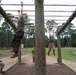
x=59, y=50
x=20, y=25
x=21, y=8
x=19, y=55
x=40, y=60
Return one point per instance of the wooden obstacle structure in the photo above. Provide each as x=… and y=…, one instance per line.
x=40, y=64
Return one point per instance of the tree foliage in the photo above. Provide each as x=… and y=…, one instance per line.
x=67, y=34
x=50, y=24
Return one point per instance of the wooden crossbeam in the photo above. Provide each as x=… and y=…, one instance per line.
x=49, y=15
x=3, y=13
x=44, y=4
x=51, y=19
x=68, y=21
x=44, y=11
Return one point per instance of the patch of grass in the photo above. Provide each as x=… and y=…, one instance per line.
x=5, y=51
x=66, y=53
x=27, y=51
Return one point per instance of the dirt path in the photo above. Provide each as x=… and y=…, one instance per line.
x=28, y=59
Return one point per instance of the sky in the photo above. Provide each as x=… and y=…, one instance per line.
x=70, y=8
x=64, y=8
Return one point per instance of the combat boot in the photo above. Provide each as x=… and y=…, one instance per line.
x=15, y=55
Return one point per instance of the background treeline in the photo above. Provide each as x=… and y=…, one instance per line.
x=68, y=36
x=6, y=40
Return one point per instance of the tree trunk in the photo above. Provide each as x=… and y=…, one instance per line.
x=40, y=60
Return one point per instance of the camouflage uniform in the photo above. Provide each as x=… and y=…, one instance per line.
x=51, y=46
x=17, y=42
x=18, y=37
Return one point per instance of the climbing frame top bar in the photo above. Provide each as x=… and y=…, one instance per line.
x=44, y=4
x=44, y=10
x=50, y=15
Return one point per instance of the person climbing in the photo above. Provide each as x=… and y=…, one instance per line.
x=17, y=42
x=51, y=45
x=1, y=66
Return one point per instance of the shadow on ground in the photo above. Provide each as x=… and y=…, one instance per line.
x=29, y=69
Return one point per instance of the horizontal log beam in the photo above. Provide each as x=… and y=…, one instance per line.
x=44, y=11
x=2, y=12
x=44, y=4
x=68, y=21
x=52, y=19
x=49, y=15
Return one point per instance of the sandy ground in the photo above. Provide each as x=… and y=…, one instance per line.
x=28, y=59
